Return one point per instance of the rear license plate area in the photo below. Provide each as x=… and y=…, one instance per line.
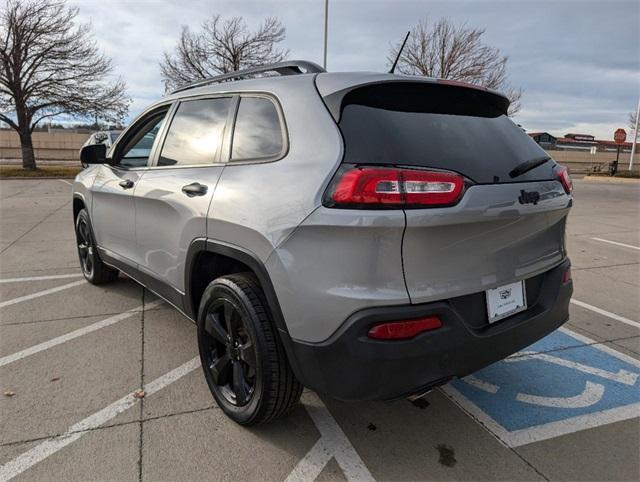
x=505, y=301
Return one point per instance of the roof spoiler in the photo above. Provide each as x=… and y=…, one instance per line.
x=405, y=94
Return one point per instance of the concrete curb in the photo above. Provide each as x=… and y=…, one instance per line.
x=613, y=180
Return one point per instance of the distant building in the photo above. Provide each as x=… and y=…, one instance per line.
x=578, y=142
x=545, y=139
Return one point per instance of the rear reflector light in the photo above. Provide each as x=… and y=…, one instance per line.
x=566, y=276
x=402, y=330
x=563, y=176
x=369, y=187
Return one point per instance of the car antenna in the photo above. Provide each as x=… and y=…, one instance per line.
x=395, y=62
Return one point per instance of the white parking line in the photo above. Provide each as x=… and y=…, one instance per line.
x=28, y=459
x=621, y=376
x=608, y=314
x=66, y=182
x=333, y=443
x=40, y=278
x=312, y=463
x=481, y=384
x=591, y=395
x=38, y=294
x=616, y=243
x=74, y=334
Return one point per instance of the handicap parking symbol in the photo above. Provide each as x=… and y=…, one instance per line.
x=561, y=384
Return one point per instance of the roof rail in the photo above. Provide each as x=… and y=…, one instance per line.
x=288, y=67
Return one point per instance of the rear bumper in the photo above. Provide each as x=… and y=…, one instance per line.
x=351, y=366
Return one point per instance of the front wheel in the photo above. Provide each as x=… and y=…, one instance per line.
x=243, y=359
x=93, y=269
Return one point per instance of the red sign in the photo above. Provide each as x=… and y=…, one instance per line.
x=619, y=136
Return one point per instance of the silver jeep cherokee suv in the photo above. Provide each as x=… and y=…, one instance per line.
x=367, y=235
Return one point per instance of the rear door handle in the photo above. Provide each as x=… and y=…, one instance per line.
x=126, y=184
x=195, y=189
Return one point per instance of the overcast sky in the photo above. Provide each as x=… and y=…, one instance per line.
x=578, y=62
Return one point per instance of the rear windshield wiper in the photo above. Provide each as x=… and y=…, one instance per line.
x=526, y=166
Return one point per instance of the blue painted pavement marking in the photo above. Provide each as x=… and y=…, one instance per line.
x=559, y=385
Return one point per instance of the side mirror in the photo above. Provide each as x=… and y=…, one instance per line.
x=93, y=154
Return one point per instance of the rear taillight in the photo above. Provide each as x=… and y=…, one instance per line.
x=402, y=330
x=384, y=187
x=563, y=176
x=566, y=276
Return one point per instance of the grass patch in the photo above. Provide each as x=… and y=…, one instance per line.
x=628, y=174
x=14, y=172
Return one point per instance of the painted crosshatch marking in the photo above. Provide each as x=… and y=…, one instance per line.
x=561, y=384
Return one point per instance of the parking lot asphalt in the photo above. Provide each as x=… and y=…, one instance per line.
x=73, y=355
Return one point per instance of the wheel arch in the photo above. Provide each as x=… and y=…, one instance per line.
x=78, y=204
x=213, y=257
x=219, y=259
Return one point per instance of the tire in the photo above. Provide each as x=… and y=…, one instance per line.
x=243, y=358
x=93, y=269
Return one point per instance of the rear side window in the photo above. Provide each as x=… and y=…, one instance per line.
x=437, y=126
x=195, y=133
x=258, y=132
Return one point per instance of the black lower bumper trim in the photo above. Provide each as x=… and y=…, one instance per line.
x=351, y=366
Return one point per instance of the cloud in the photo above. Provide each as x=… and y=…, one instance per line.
x=577, y=61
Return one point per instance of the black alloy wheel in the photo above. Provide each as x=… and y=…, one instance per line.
x=85, y=247
x=229, y=354
x=242, y=355
x=93, y=269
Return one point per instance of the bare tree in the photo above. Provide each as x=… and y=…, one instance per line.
x=222, y=45
x=446, y=51
x=51, y=66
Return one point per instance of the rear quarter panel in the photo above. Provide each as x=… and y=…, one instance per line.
x=337, y=262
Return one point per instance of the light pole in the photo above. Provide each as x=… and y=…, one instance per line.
x=634, y=137
x=326, y=32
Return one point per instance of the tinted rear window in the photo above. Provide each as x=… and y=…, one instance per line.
x=437, y=126
x=257, y=133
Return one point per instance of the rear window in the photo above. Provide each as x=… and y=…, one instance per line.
x=258, y=133
x=437, y=126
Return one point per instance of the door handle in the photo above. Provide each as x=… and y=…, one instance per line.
x=126, y=184
x=195, y=189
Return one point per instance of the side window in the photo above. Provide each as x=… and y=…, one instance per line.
x=195, y=133
x=137, y=148
x=258, y=131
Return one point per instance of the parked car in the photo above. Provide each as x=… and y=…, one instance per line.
x=370, y=236
x=102, y=137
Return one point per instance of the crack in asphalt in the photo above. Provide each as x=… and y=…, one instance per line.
x=71, y=318
x=141, y=410
x=55, y=270
x=112, y=425
x=35, y=226
x=605, y=267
